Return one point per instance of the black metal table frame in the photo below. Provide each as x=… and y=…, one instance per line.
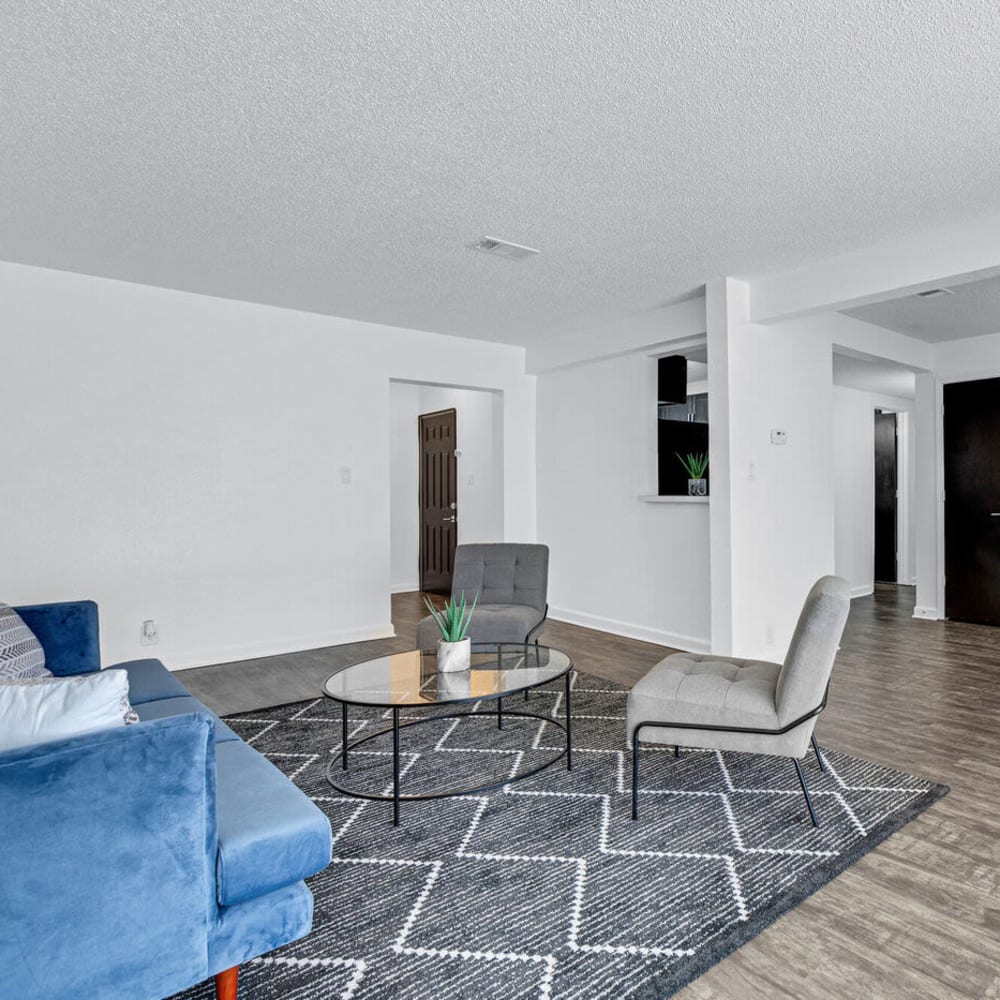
x=396, y=797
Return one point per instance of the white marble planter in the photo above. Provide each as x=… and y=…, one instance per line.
x=456, y=684
x=454, y=655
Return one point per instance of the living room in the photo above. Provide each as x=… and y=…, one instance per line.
x=242, y=253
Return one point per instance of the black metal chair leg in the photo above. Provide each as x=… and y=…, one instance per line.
x=819, y=756
x=635, y=777
x=677, y=750
x=805, y=791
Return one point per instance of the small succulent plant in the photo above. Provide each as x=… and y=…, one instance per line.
x=694, y=465
x=454, y=620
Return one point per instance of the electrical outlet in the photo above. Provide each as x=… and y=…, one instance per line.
x=345, y=475
x=150, y=633
x=779, y=436
x=470, y=480
x=768, y=634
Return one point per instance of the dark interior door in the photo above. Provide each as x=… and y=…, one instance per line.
x=972, y=500
x=438, y=500
x=886, y=486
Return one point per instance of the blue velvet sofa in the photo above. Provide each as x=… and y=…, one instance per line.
x=142, y=860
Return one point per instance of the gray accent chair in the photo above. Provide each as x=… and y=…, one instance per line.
x=753, y=706
x=511, y=580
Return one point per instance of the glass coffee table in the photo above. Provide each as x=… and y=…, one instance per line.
x=411, y=681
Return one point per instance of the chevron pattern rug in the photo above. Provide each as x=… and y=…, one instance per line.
x=547, y=889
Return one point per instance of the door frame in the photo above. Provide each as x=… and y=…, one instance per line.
x=906, y=527
x=897, y=506
x=938, y=612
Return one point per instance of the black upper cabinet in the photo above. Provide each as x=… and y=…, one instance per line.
x=671, y=379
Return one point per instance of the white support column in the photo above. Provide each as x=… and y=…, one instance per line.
x=928, y=502
x=717, y=310
x=772, y=506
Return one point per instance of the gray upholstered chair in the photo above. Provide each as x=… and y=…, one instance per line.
x=511, y=580
x=752, y=706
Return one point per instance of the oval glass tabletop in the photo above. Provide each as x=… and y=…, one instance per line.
x=412, y=678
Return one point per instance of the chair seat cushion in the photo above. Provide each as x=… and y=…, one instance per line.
x=180, y=706
x=270, y=834
x=149, y=680
x=712, y=690
x=490, y=623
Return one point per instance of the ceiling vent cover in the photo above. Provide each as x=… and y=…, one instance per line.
x=502, y=248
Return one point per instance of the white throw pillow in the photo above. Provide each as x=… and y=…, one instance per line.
x=38, y=710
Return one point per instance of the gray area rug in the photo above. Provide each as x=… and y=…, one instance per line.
x=547, y=889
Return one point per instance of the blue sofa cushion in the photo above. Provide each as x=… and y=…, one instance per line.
x=258, y=926
x=166, y=707
x=68, y=634
x=104, y=883
x=149, y=680
x=270, y=834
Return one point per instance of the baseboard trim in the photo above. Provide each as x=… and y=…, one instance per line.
x=660, y=637
x=928, y=614
x=404, y=588
x=209, y=656
x=865, y=590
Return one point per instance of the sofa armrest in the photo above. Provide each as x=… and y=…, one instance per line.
x=68, y=632
x=108, y=880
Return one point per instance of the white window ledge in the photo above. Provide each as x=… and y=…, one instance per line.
x=680, y=499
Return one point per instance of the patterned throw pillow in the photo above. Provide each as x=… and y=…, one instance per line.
x=21, y=654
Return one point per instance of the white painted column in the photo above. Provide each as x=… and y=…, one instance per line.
x=772, y=506
x=718, y=292
x=928, y=503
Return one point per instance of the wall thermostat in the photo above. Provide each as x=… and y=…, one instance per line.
x=779, y=436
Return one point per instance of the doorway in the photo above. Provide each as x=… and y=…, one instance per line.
x=972, y=501
x=478, y=472
x=886, y=497
x=438, y=435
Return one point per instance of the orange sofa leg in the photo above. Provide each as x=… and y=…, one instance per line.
x=226, y=984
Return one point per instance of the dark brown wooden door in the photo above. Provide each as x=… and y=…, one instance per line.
x=885, y=497
x=438, y=501
x=972, y=500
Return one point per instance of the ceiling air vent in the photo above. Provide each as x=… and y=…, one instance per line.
x=501, y=248
x=933, y=293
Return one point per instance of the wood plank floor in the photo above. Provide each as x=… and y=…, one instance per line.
x=918, y=917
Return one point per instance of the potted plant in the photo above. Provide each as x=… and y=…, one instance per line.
x=454, y=647
x=695, y=466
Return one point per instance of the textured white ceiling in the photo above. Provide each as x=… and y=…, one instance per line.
x=338, y=155
x=971, y=311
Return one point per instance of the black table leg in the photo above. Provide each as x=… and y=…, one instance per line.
x=343, y=745
x=569, y=726
x=395, y=767
x=499, y=713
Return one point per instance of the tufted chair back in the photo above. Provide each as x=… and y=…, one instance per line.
x=806, y=670
x=502, y=573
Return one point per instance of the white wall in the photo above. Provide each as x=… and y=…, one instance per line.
x=617, y=563
x=854, y=486
x=404, y=476
x=177, y=457
x=479, y=416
